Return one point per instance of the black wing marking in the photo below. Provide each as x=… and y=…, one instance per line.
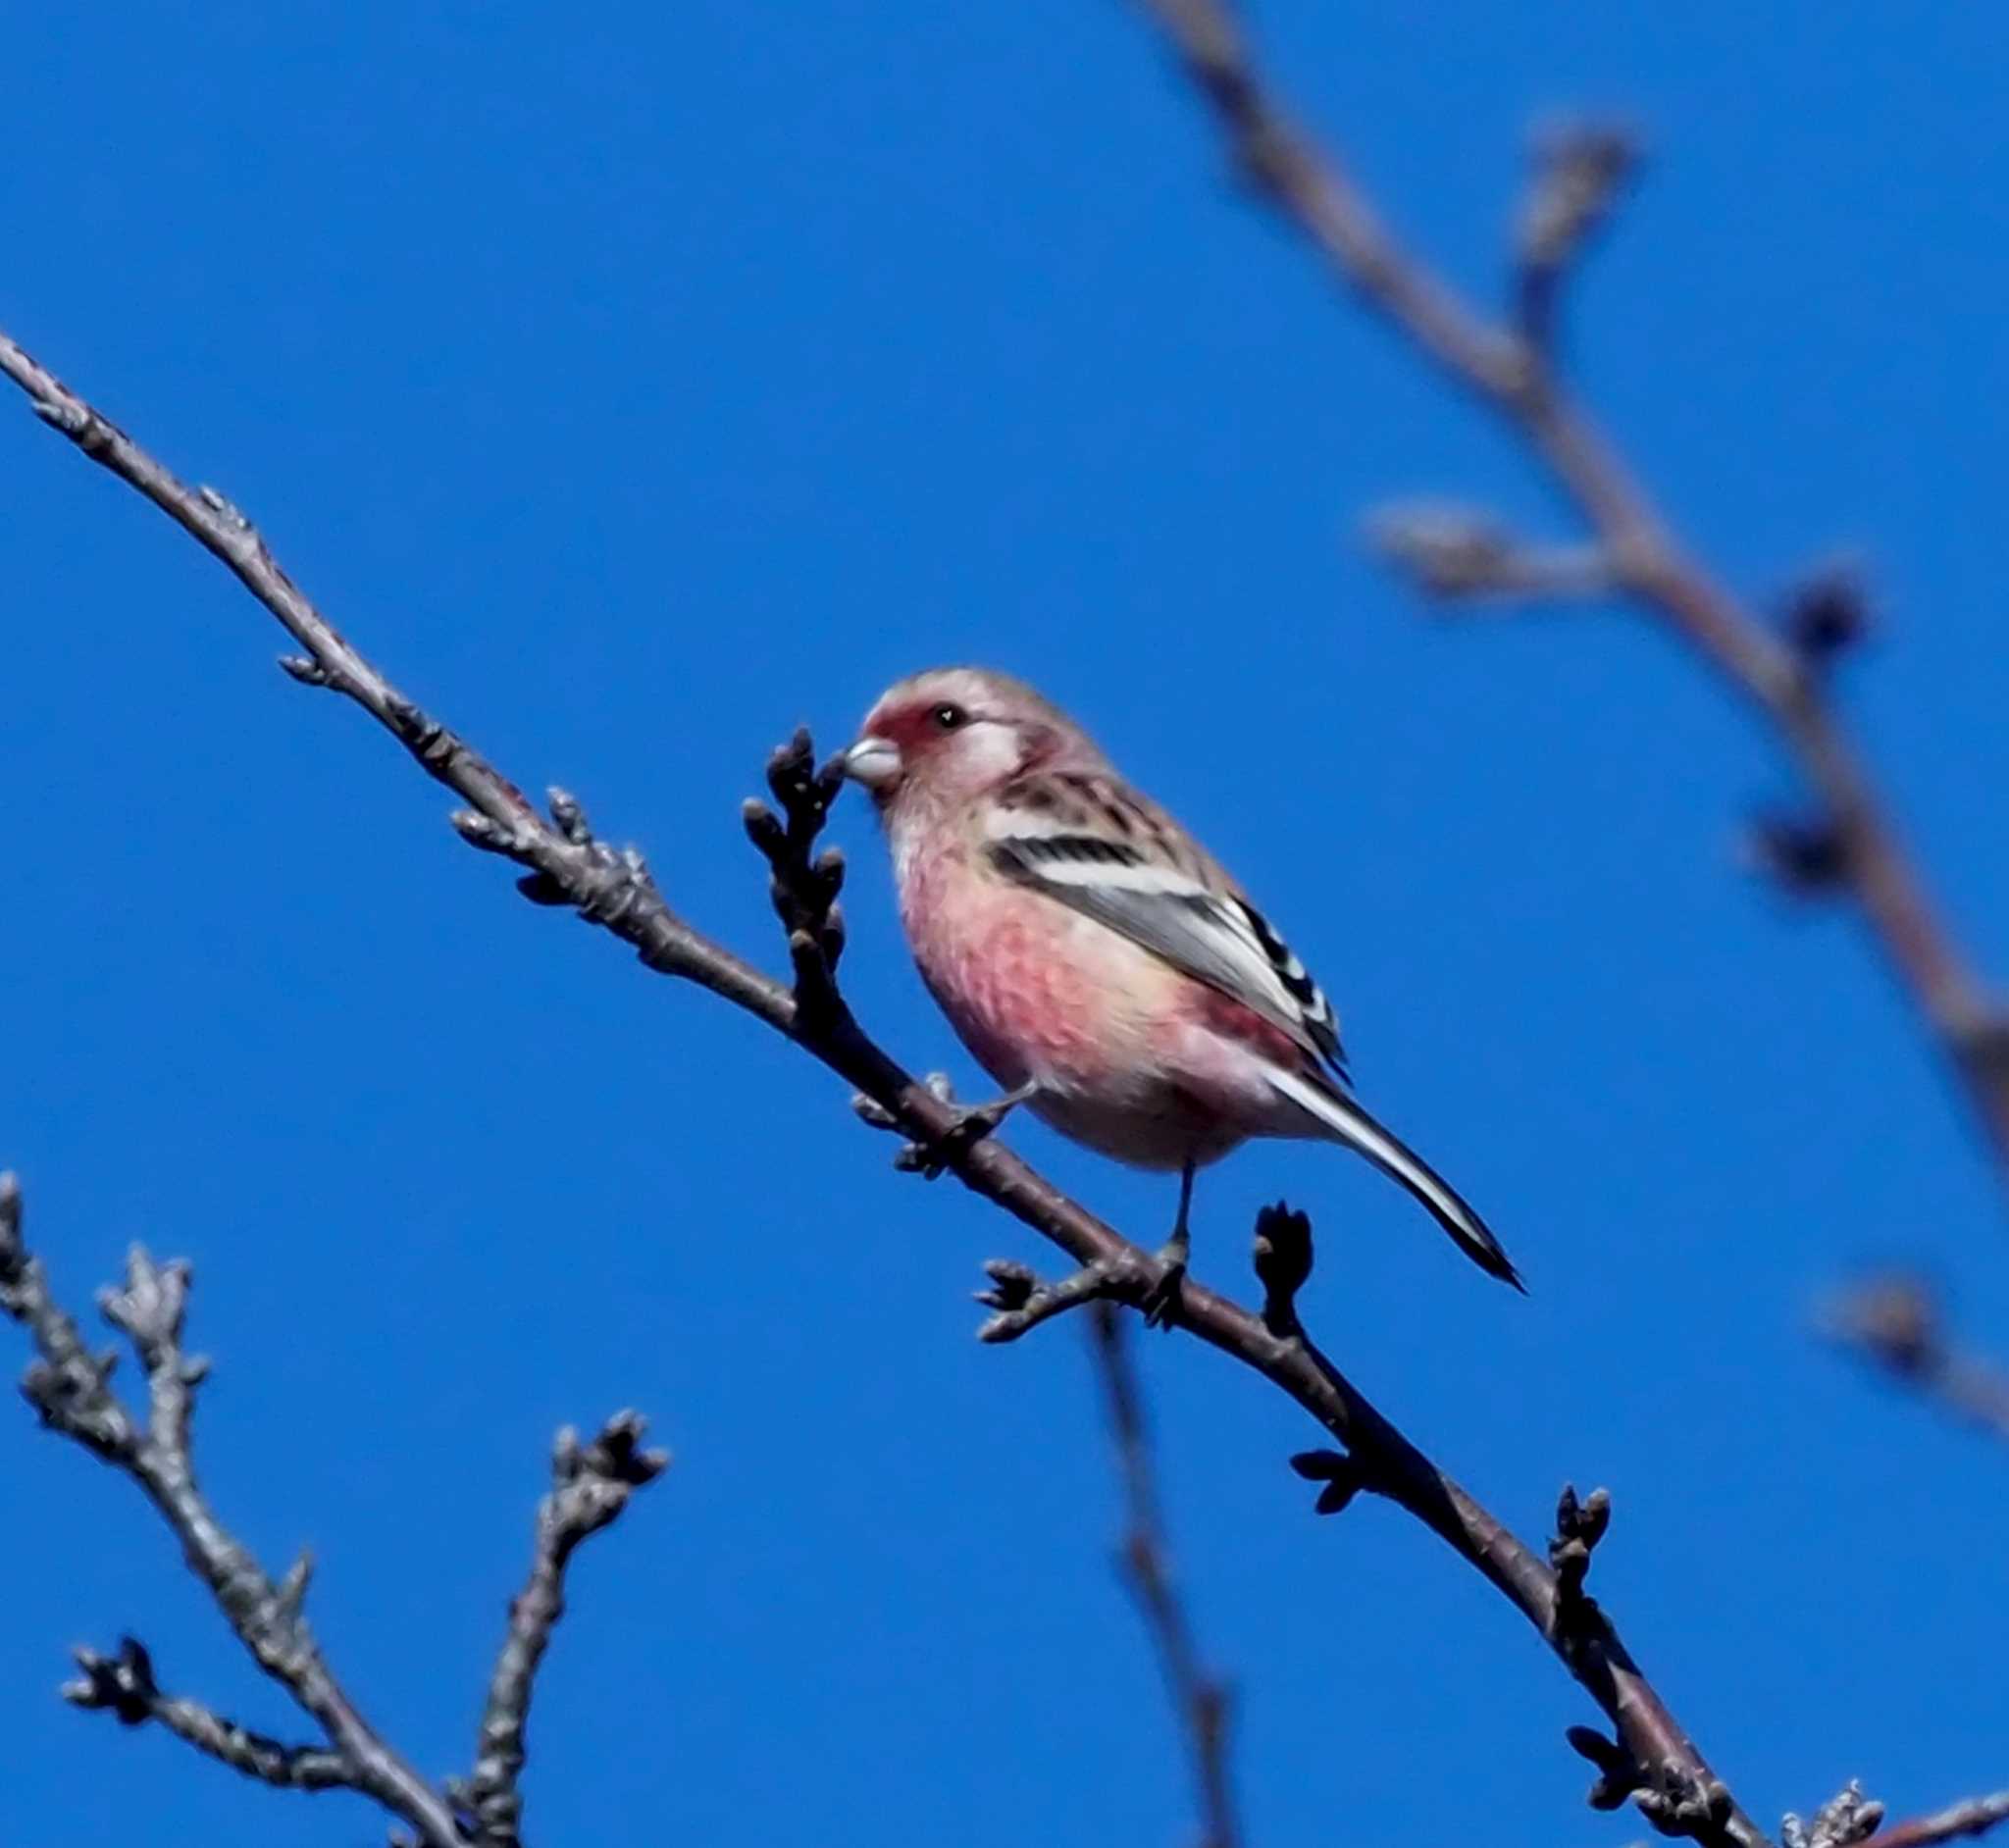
x=1153, y=888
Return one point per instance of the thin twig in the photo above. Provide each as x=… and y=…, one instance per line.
x=1850, y=1820
x=1846, y=1819
x=1200, y=1699
x=1895, y=1324
x=1023, y=1302
x=123, y=1686
x=615, y=891
x=1509, y=371
x=1976, y=1816
x=1578, y=171
x=1460, y=553
x=591, y=1484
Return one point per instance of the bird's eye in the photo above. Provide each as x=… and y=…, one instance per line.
x=948, y=718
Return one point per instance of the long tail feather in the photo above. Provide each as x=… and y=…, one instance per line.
x=1352, y=1125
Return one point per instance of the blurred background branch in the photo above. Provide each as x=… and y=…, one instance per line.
x=1850, y=846
x=1896, y=1324
x=1958, y=1821
x=1200, y=1699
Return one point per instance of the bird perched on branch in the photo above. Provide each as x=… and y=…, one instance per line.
x=1096, y=961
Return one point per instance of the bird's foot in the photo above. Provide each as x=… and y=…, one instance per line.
x=978, y=1120
x=972, y=1125
x=1164, y=1299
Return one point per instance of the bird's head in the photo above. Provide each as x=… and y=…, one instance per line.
x=953, y=734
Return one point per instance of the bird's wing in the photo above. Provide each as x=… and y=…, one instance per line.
x=1094, y=843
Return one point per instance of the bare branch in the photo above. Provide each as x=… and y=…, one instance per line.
x=1023, y=1302
x=1459, y=555
x=1200, y=1699
x=591, y=1484
x=70, y=1388
x=124, y=1685
x=149, y=1312
x=72, y=1391
x=1846, y=1819
x=1849, y=1819
x=1317, y=194
x=608, y=888
x=1896, y=1325
x=1974, y=1816
x=1512, y=376
x=68, y=1385
x=1580, y=169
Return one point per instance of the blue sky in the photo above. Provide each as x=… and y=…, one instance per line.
x=634, y=386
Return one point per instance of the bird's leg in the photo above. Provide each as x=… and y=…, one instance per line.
x=1162, y=1304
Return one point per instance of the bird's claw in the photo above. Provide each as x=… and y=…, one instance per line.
x=932, y=1161
x=1165, y=1299
x=972, y=1125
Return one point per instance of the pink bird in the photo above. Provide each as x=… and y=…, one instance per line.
x=1095, y=959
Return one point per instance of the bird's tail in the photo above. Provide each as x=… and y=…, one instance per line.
x=1346, y=1122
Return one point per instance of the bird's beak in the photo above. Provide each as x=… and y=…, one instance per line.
x=872, y=761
